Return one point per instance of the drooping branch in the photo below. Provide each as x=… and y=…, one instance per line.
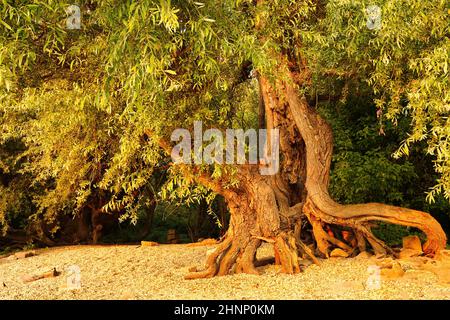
x=190, y=171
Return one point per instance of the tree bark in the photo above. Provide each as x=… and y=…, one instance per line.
x=319, y=206
x=255, y=217
x=319, y=146
x=270, y=208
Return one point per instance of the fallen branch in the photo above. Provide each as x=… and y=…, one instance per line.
x=49, y=274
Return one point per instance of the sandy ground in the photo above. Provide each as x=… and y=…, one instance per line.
x=134, y=272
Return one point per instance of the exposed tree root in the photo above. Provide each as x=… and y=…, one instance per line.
x=246, y=263
x=361, y=241
x=324, y=240
x=318, y=139
x=378, y=246
x=285, y=245
x=211, y=261
x=241, y=254
x=303, y=247
x=319, y=235
x=230, y=253
x=268, y=208
x=237, y=252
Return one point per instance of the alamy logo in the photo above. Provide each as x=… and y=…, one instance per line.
x=262, y=148
x=73, y=21
x=373, y=17
x=374, y=279
x=73, y=278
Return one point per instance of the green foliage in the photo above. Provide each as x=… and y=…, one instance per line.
x=405, y=63
x=78, y=104
x=363, y=167
x=393, y=234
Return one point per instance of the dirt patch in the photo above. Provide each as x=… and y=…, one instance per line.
x=135, y=272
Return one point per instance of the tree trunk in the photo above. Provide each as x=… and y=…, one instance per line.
x=319, y=207
x=271, y=208
x=254, y=218
x=318, y=139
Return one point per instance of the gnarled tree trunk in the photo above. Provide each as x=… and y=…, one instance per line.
x=319, y=205
x=255, y=217
x=271, y=208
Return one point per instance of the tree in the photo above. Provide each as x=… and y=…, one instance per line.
x=157, y=66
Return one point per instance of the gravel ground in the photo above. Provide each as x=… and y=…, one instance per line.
x=134, y=272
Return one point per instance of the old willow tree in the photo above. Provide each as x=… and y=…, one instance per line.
x=147, y=68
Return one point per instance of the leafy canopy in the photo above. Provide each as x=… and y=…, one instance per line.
x=81, y=101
